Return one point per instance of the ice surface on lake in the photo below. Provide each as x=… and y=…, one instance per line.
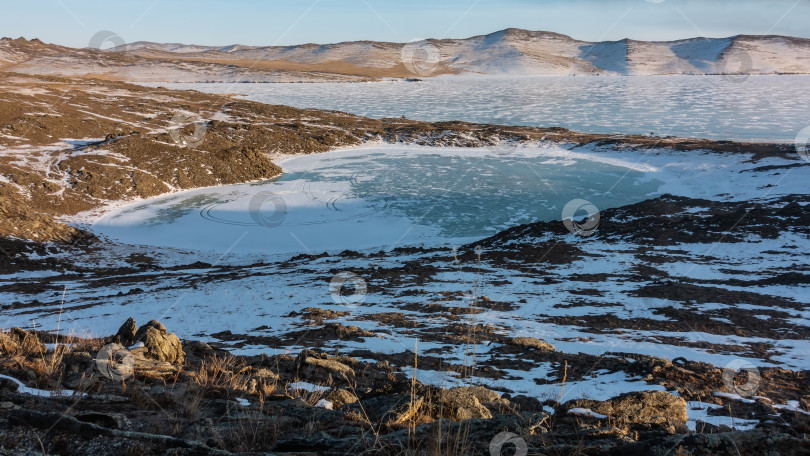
x=380, y=197
x=758, y=108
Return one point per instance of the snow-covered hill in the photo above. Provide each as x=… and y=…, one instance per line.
x=507, y=52
x=515, y=51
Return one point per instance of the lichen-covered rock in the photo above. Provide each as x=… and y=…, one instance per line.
x=532, y=343
x=464, y=403
x=341, y=397
x=319, y=366
x=152, y=324
x=653, y=408
x=160, y=345
x=334, y=367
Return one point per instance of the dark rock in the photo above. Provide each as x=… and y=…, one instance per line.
x=126, y=334
x=8, y=385
x=198, y=348
x=526, y=403
x=320, y=442
x=748, y=443
x=105, y=419
x=709, y=428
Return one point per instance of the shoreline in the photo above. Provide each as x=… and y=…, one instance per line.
x=541, y=109
x=133, y=164
x=654, y=165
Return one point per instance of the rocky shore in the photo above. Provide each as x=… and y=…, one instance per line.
x=166, y=396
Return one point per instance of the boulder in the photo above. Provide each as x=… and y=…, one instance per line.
x=525, y=403
x=391, y=409
x=319, y=366
x=198, y=348
x=160, y=345
x=126, y=333
x=650, y=408
x=341, y=397
x=336, y=368
x=531, y=343
x=464, y=403
x=152, y=324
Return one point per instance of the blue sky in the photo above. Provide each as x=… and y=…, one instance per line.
x=282, y=22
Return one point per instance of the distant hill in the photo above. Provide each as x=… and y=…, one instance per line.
x=507, y=52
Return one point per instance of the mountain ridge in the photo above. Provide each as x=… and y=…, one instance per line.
x=537, y=53
x=508, y=52
x=515, y=31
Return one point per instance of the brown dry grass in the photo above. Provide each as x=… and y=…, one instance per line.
x=221, y=375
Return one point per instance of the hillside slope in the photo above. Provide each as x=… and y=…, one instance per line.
x=521, y=52
x=508, y=52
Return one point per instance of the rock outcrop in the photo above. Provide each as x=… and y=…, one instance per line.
x=648, y=408
x=159, y=344
x=466, y=402
x=532, y=343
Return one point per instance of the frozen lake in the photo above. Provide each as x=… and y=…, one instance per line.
x=756, y=108
x=382, y=197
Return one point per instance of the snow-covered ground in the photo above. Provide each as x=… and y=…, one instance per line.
x=250, y=294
